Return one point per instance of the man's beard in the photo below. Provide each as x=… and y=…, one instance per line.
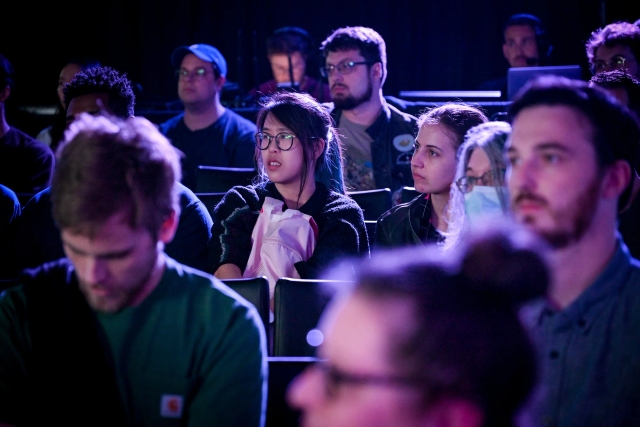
x=580, y=215
x=350, y=102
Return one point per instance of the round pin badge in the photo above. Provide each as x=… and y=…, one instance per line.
x=403, y=142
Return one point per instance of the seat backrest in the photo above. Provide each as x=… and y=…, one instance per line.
x=298, y=305
x=210, y=200
x=282, y=370
x=218, y=179
x=256, y=291
x=373, y=202
x=407, y=194
x=371, y=231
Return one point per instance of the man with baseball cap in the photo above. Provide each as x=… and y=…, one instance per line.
x=206, y=132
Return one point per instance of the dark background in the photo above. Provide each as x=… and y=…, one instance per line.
x=431, y=45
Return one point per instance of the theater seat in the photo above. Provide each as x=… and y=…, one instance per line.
x=282, y=370
x=210, y=200
x=218, y=179
x=371, y=231
x=298, y=305
x=256, y=291
x=407, y=194
x=373, y=202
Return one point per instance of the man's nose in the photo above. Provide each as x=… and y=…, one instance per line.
x=95, y=270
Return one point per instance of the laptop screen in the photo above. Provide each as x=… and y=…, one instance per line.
x=518, y=77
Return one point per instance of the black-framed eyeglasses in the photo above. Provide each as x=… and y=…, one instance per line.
x=196, y=73
x=618, y=62
x=344, y=67
x=284, y=140
x=334, y=378
x=466, y=183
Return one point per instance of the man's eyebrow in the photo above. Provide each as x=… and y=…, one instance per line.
x=114, y=254
x=552, y=146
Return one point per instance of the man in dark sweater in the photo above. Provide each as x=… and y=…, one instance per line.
x=92, y=91
x=26, y=165
x=206, y=132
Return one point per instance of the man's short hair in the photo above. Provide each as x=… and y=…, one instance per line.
x=108, y=165
x=367, y=41
x=617, y=79
x=287, y=40
x=616, y=135
x=618, y=33
x=106, y=80
x=6, y=73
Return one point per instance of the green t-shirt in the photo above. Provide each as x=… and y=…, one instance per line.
x=192, y=353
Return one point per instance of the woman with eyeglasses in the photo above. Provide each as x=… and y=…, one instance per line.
x=428, y=339
x=480, y=191
x=296, y=219
x=433, y=166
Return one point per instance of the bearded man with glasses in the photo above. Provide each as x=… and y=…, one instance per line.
x=206, y=132
x=377, y=138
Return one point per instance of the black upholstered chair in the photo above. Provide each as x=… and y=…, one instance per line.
x=256, y=291
x=373, y=202
x=407, y=194
x=210, y=200
x=298, y=305
x=371, y=231
x=218, y=179
x=282, y=370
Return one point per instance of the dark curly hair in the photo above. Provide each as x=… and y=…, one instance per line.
x=618, y=33
x=107, y=80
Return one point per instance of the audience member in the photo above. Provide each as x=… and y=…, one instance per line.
x=295, y=141
x=135, y=337
x=377, y=137
x=26, y=164
x=421, y=221
x=424, y=340
x=289, y=50
x=480, y=192
x=525, y=45
x=615, y=47
x=10, y=211
x=626, y=89
x=93, y=91
x=571, y=153
x=53, y=134
x=206, y=132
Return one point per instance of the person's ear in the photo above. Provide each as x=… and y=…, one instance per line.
x=220, y=81
x=504, y=51
x=4, y=95
x=376, y=71
x=318, y=147
x=616, y=179
x=168, y=227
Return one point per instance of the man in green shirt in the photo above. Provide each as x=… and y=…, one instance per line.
x=118, y=333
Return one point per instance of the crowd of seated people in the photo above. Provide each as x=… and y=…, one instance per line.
x=506, y=292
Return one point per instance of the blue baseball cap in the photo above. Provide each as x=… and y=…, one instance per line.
x=203, y=51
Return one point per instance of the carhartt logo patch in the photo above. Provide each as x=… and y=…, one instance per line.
x=171, y=405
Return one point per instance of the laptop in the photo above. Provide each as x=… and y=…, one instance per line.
x=518, y=77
